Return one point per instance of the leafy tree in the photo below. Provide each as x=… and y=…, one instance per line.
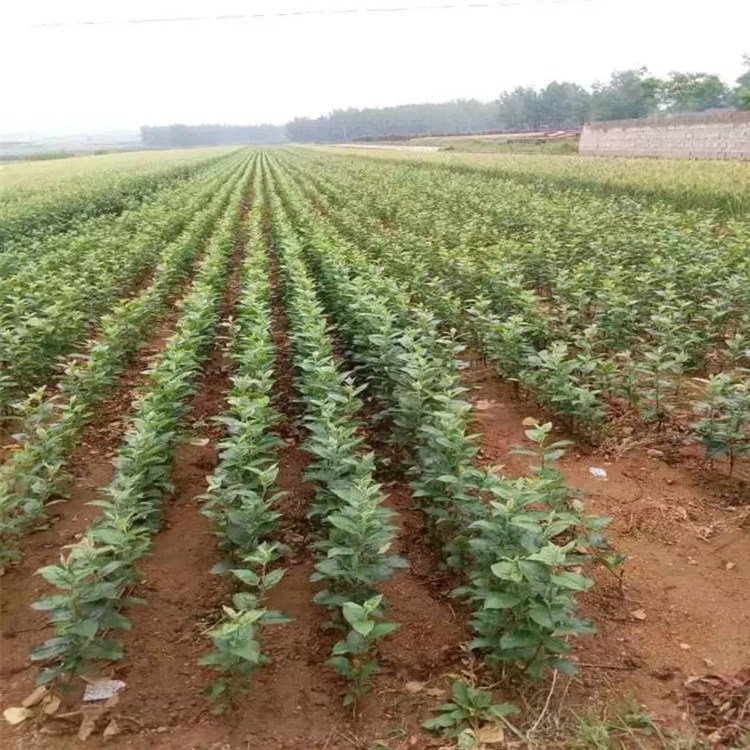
x=628, y=95
x=693, y=92
x=742, y=92
x=564, y=105
x=344, y=125
x=520, y=109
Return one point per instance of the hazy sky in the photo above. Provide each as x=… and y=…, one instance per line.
x=74, y=78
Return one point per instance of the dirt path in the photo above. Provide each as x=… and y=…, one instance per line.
x=91, y=468
x=183, y=596
x=91, y=465
x=296, y=698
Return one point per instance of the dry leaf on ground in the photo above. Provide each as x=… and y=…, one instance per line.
x=35, y=697
x=17, y=714
x=720, y=706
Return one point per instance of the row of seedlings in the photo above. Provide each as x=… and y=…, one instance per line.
x=494, y=311
x=93, y=578
x=51, y=305
x=586, y=351
x=51, y=424
x=357, y=529
x=55, y=203
x=242, y=492
x=520, y=543
x=31, y=249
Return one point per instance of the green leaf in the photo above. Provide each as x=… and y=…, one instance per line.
x=353, y=612
x=541, y=616
x=341, y=665
x=444, y=721
x=363, y=627
x=51, y=649
x=250, y=577
x=507, y=571
x=85, y=628
x=501, y=601
x=501, y=710
x=216, y=689
x=573, y=581
x=57, y=576
x=272, y=578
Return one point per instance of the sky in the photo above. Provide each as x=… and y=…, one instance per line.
x=73, y=78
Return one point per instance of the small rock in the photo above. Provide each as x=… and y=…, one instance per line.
x=317, y=699
x=631, y=660
x=161, y=730
x=708, y=662
x=638, y=614
x=654, y=453
x=685, y=646
x=692, y=561
x=730, y=565
x=664, y=673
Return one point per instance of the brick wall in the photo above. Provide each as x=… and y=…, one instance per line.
x=719, y=135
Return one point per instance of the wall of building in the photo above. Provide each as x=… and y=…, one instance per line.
x=718, y=135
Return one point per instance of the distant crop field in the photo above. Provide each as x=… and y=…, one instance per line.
x=45, y=196
x=307, y=449
x=718, y=184
x=37, y=174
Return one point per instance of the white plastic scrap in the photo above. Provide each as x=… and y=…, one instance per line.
x=102, y=690
x=597, y=472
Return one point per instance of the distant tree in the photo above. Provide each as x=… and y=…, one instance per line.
x=344, y=125
x=561, y=105
x=629, y=94
x=564, y=105
x=741, y=95
x=520, y=109
x=692, y=92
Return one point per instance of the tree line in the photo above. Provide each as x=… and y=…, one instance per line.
x=560, y=105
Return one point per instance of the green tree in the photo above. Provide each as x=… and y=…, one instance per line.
x=520, y=109
x=742, y=92
x=693, y=92
x=564, y=105
x=629, y=94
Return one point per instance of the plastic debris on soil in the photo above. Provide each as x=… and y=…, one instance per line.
x=102, y=690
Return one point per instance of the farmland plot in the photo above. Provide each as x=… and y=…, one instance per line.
x=403, y=456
